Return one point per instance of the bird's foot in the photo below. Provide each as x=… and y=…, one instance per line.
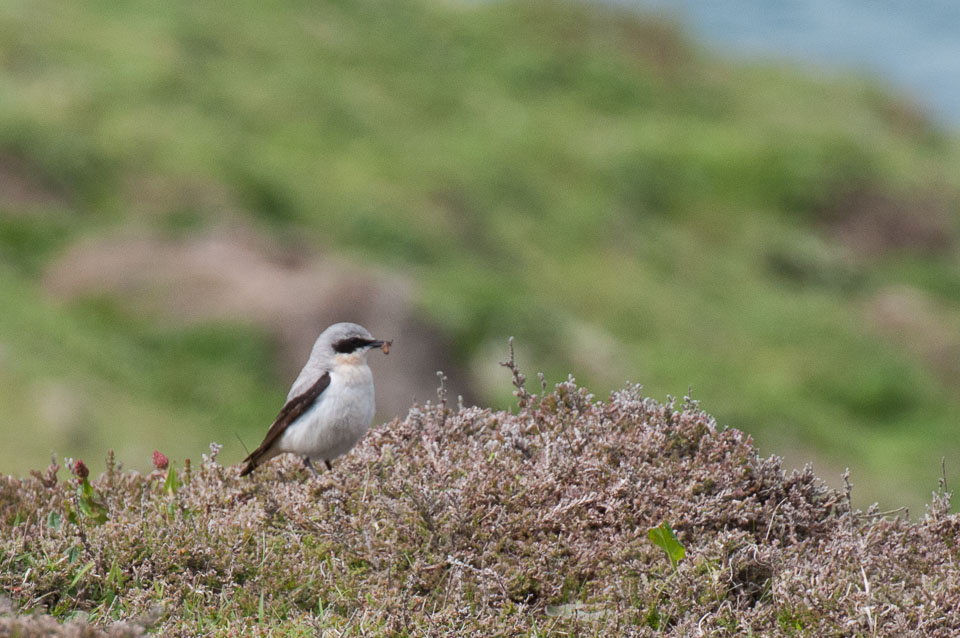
x=309, y=466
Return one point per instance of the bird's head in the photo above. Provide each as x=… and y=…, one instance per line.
x=348, y=343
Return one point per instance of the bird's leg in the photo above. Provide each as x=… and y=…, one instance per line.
x=309, y=466
x=329, y=467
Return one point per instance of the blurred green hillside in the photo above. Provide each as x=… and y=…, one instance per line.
x=627, y=205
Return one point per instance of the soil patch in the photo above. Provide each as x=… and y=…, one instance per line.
x=21, y=191
x=872, y=222
x=910, y=318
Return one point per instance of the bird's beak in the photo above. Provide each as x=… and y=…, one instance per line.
x=383, y=345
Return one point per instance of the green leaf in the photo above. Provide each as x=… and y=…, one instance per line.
x=115, y=576
x=53, y=520
x=86, y=489
x=88, y=504
x=171, y=485
x=86, y=507
x=93, y=510
x=83, y=570
x=664, y=538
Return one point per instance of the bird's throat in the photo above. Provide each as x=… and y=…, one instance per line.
x=350, y=359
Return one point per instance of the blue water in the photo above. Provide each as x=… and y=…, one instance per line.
x=913, y=46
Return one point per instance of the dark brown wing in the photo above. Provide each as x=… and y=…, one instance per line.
x=294, y=408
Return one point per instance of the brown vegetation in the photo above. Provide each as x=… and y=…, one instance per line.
x=468, y=521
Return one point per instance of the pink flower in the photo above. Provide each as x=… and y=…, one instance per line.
x=160, y=460
x=80, y=470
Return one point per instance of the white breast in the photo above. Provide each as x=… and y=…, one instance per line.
x=339, y=417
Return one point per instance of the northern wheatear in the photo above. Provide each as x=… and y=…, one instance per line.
x=330, y=405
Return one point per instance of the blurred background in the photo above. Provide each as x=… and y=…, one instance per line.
x=756, y=205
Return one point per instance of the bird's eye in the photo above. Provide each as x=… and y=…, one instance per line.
x=348, y=345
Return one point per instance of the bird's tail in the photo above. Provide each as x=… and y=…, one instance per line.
x=255, y=459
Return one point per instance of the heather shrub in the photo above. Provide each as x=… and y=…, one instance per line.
x=472, y=521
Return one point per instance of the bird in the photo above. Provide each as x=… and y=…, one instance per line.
x=330, y=405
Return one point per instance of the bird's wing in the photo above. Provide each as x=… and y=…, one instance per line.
x=293, y=410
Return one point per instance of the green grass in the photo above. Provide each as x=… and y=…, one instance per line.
x=575, y=176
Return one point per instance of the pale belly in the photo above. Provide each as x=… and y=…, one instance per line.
x=339, y=418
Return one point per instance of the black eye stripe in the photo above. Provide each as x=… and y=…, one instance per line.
x=348, y=345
